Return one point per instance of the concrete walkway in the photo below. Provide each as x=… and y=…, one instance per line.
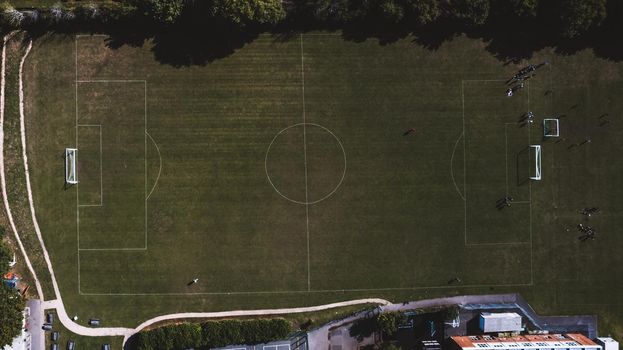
x=319, y=338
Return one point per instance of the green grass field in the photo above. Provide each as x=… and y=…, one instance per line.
x=280, y=176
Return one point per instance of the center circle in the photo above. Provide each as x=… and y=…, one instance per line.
x=305, y=163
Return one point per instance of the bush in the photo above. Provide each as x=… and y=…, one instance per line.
x=213, y=334
x=388, y=322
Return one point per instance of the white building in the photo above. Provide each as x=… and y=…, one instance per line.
x=607, y=343
x=500, y=322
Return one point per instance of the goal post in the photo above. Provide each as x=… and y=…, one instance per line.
x=536, y=174
x=71, y=177
x=551, y=127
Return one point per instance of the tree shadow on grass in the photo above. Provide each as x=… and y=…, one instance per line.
x=198, y=40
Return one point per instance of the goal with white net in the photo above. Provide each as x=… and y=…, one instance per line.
x=70, y=166
x=536, y=156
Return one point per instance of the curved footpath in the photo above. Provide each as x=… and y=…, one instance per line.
x=5, y=199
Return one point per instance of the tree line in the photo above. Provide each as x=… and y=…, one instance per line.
x=11, y=302
x=213, y=334
x=561, y=18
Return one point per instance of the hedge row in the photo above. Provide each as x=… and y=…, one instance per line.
x=213, y=334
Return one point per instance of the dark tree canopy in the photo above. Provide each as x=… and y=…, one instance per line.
x=163, y=11
x=524, y=8
x=243, y=12
x=470, y=12
x=578, y=16
x=423, y=12
x=5, y=257
x=11, y=308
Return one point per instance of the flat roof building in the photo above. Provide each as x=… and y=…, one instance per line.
x=500, y=322
x=572, y=341
x=607, y=343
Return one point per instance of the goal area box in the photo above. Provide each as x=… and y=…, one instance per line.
x=71, y=177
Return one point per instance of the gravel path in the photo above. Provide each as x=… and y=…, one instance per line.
x=5, y=199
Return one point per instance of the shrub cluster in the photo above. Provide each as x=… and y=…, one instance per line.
x=213, y=334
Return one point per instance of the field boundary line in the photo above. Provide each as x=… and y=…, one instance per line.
x=111, y=249
x=111, y=81
x=77, y=187
x=464, y=163
x=305, y=157
x=314, y=291
x=506, y=156
x=530, y=196
x=5, y=199
x=101, y=172
x=452, y=166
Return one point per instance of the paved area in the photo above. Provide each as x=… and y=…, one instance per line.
x=34, y=321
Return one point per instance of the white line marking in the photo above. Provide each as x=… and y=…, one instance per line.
x=111, y=81
x=77, y=185
x=159, y=169
x=101, y=203
x=506, y=157
x=481, y=80
x=111, y=249
x=452, y=166
x=464, y=162
x=305, y=291
x=305, y=157
x=275, y=187
x=530, y=208
x=145, y=153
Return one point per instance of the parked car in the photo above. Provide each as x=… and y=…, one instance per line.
x=94, y=322
x=71, y=345
x=46, y=327
x=54, y=346
x=106, y=347
x=50, y=318
x=55, y=336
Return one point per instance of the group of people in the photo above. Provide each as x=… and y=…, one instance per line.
x=517, y=81
x=504, y=202
x=588, y=232
x=527, y=118
x=589, y=211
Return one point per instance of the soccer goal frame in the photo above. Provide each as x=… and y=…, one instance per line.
x=71, y=176
x=537, y=162
x=548, y=131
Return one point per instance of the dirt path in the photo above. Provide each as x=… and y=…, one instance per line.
x=5, y=199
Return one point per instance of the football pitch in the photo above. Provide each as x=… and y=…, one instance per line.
x=284, y=175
